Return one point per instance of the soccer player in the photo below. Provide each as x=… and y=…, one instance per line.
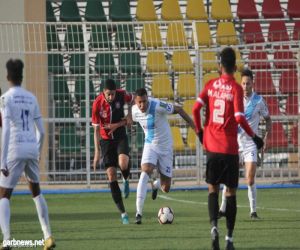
x=152, y=114
x=111, y=142
x=255, y=108
x=21, y=149
x=223, y=98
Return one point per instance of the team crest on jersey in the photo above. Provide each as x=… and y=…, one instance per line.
x=103, y=113
x=117, y=105
x=169, y=107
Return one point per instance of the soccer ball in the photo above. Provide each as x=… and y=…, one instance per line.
x=165, y=215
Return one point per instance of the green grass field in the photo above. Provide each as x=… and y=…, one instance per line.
x=90, y=221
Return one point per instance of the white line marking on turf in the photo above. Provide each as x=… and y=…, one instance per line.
x=241, y=206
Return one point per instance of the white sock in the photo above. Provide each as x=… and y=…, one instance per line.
x=224, y=200
x=229, y=238
x=141, y=192
x=42, y=210
x=156, y=184
x=252, y=197
x=5, y=218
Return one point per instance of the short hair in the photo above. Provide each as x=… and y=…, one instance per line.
x=110, y=84
x=15, y=70
x=141, y=92
x=247, y=72
x=228, y=59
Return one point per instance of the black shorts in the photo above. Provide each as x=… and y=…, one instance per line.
x=111, y=149
x=222, y=168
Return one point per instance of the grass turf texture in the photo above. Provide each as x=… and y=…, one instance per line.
x=90, y=221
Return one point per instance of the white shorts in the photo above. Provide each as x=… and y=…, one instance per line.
x=163, y=160
x=16, y=168
x=249, y=155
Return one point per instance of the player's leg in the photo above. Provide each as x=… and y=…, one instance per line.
x=250, y=168
x=223, y=204
x=123, y=152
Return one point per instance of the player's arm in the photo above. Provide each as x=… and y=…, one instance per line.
x=40, y=133
x=184, y=115
x=96, y=126
x=129, y=99
x=4, y=145
x=268, y=130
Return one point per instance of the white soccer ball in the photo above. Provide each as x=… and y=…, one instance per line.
x=165, y=215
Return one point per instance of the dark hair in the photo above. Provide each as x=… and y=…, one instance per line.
x=247, y=72
x=228, y=58
x=15, y=71
x=141, y=92
x=110, y=84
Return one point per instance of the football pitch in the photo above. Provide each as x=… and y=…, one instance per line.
x=90, y=221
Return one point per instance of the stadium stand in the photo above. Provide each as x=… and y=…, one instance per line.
x=226, y=34
x=272, y=9
x=186, y=86
x=246, y=9
x=277, y=32
x=288, y=83
x=252, y=32
x=145, y=11
x=292, y=105
x=204, y=37
x=156, y=62
x=161, y=87
x=151, y=36
x=220, y=10
x=170, y=10
x=195, y=10
x=273, y=105
x=263, y=83
x=119, y=11
x=293, y=9
x=178, y=144
x=181, y=62
x=277, y=138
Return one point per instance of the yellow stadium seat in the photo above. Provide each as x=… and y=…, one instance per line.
x=188, y=106
x=186, y=86
x=191, y=139
x=226, y=34
x=237, y=76
x=161, y=87
x=182, y=62
x=156, y=62
x=209, y=61
x=178, y=144
x=176, y=35
x=203, y=34
x=207, y=77
x=239, y=62
x=220, y=10
x=195, y=10
x=170, y=10
x=145, y=11
x=151, y=36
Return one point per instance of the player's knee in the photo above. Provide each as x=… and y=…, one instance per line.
x=165, y=188
x=250, y=181
x=5, y=193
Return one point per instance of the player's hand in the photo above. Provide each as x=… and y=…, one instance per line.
x=5, y=172
x=96, y=160
x=129, y=120
x=200, y=136
x=258, y=141
x=111, y=127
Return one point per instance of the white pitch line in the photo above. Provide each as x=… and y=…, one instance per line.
x=241, y=206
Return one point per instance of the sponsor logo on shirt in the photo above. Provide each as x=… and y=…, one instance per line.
x=169, y=107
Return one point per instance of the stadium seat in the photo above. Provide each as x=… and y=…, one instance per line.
x=209, y=76
x=161, y=87
x=170, y=10
x=94, y=11
x=253, y=33
x=156, y=62
x=195, y=10
x=178, y=144
x=246, y=9
x=272, y=9
x=69, y=141
x=176, y=35
x=60, y=89
x=77, y=64
x=105, y=64
x=258, y=60
x=226, y=34
x=284, y=60
x=294, y=136
x=239, y=60
x=130, y=63
x=186, y=86
x=69, y=11
x=52, y=38
x=203, y=34
x=74, y=37
x=277, y=138
x=145, y=11
x=151, y=36
x=80, y=90
x=125, y=36
x=83, y=109
x=188, y=106
x=293, y=9
x=140, y=137
x=119, y=11
x=273, y=105
x=134, y=82
x=292, y=107
x=181, y=61
x=56, y=64
x=237, y=77
x=63, y=109
x=191, y=139
x=263, y=83
x=220, y=10
x=209, y=61
x=50, y=17
x=288, y=82
x=296, y=33
x=100, y=37
x=277, y=32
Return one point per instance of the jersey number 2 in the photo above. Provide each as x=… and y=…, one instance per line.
x=219, y=110
x=24, y=117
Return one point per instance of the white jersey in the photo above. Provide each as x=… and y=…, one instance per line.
x=20, y=108
x=255, y=107
x=155, y=123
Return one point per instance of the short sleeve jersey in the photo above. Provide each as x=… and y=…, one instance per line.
x=104, y=112
x=223, y=98
x=155, y=123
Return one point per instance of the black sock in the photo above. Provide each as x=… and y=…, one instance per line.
x=213, y=209
x=116, y=195
x=230, y=214
x=126, y=172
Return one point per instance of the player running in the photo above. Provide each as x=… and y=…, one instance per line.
x=152, y=114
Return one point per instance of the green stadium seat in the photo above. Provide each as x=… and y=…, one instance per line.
x=74, y=37
x=63, y=109
x=77, y=64
x=80, y=89
x=56, y=64
x=119, y=11
x=139, y=137
x=69, y=141
x=134, y=82
x=94, y=11
x=60, y=89
x=105, y=64
x=100, y=37
x=69, y=11
x=82, y=109
x=52, y=38
x=50, y=17
x=130, y=63
x=125, y=36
